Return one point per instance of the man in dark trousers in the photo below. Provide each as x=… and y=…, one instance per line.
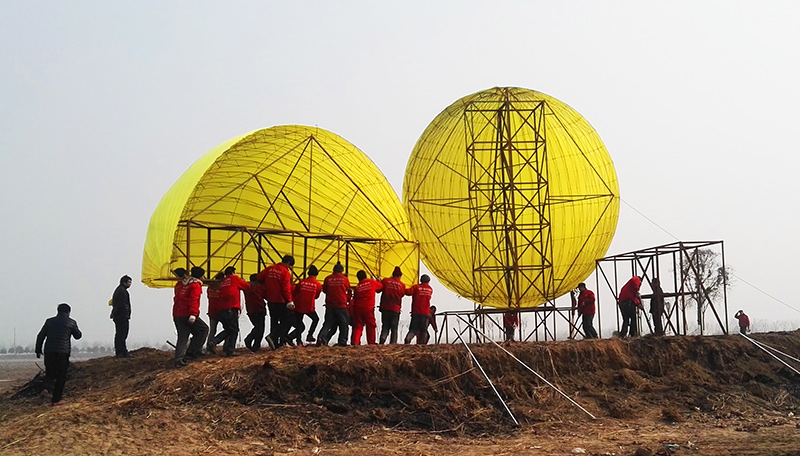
x=657, y=306
x=305, y=297
x=186, y=315
x=230, y=306
x=630, y=300
x=58, y=332
x=420, y=309
x=391, y=300
x=586, y=309
x=336, y=288
x=744, y=321
x=257, y=313
x=510, y=323
x=121, y=314
x=277, y=280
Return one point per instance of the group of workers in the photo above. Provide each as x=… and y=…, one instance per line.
x=630, y=300
x=271, y=292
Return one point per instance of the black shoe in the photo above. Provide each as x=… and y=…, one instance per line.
x=289, y=342
x=310, y=338
x=179, y=363
x=231, y=354
x=248, y=342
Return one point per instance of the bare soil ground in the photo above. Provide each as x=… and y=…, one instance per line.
x=717, y=395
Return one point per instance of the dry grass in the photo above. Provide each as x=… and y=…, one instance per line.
x=335, y=394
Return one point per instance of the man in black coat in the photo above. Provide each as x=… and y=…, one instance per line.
x=121, y=314
x=58, y=331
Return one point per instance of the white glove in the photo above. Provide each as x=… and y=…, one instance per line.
x=192, y=318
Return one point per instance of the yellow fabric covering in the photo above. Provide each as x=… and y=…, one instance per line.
x=512, y=196
x=283, y=188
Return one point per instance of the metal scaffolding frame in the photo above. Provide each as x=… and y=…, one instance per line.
x=543, y=327
x=647, y=264
x=340, y=248
x=498, y=198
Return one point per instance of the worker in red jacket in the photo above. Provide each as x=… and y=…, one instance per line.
x=586, y=310
x=391, y=300
x=305, y=296
x=213, y=309
x=510, y=323
x=744, y=322
x=363, y=308
x=336, y=288
x=277, y=280
x=186, y=315
x=229, y=309
x=629, y=300
x=420, y=309
x=257, y=313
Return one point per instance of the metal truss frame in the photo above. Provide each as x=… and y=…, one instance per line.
x=648, y=264
x=498, y=197
x=545, y=323
x=268, y=254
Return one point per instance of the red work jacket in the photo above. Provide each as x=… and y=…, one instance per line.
x=335, y=287
x=510, y=320
x=306, y=293
x=630, y=290
x=230, y=292
x=213, y=300
x=187, y=302
x=364, y=294
x=254, y=299
x=586, y=302
x=420, y=298
x=392, y=296
x=277, y=280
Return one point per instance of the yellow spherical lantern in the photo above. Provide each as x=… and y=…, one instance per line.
x=512, y=196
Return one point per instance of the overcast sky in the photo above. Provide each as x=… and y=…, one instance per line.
x=105, y=104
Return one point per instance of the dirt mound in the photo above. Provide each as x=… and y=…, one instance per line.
x=334, y=394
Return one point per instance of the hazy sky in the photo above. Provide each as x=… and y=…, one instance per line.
x=105, y=104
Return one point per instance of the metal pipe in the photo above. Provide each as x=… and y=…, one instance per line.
x=535, y=373
x=769, y=353
x=776, y=350
x=487, y=378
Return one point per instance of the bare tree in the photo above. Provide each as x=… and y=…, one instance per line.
x=705, y=277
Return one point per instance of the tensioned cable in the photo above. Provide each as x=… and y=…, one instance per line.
x=731, y=273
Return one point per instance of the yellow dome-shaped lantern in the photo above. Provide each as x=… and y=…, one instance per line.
x=295, y=190
x=512, y=196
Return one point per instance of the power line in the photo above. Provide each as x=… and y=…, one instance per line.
x=649, y=219
x=767, y=294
